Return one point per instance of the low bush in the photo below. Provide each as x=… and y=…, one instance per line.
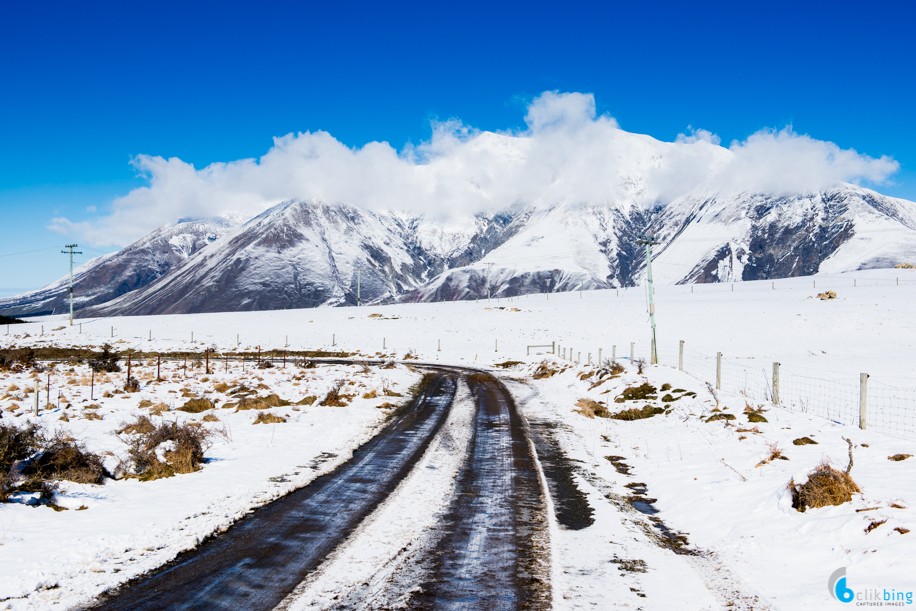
x=168, y=449
x=106, y=360
x=31, y=462
x=825, y=486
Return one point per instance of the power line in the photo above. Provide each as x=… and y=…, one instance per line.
x=26, y=252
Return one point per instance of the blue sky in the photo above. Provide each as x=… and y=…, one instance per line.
x=87, y=86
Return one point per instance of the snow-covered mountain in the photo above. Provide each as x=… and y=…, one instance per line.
x=104, y=278
x=558, y=237
x=300, y=254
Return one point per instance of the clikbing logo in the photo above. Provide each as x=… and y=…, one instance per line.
x=837, y=585
x=870, y=597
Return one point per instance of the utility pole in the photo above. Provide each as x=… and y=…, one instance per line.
x=650, y=241
x=71, y=252
x=489, y=265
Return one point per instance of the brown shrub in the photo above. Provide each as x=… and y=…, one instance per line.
x=268, y=418
x=196, y=406
x=825, y=486
x=186, y=453
x=64, y=458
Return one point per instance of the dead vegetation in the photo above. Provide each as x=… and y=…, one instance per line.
x=590, y=409
x=643, y=392
x=165, y=450
x=825, y=486
x=33, y=462
x=775, y=454
x=334, y=398
x=196, y=406
x=638, y=413
x=720, y=416
x=268, y=418
x=507, y=364
x=804, y=441
x=545, y=370
x=899, y=457
x=826, y=295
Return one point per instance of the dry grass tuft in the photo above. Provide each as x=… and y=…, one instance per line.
x=268, y=418
x=899, y=457
x=308, y=400
x=196, y=406
x=825, y=486
x=221, y=387
x=642, y=392
x=507, y=364
x=141, y=426
x=638, y=414
x=804, y=441
x=590, y=409
x=874, y=524
x=753, y=430
x=755, y=417
x=274, y=401
x=158, y=408
x=775, y=454
x=335, y=399
x=210, y=418
x=902, y=530
x=720, y=416
x=544, y=370
x=246, y=404
x=91, y=416
x=370, y=395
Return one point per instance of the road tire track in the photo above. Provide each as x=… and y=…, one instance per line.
x=263, y=557
x=494, y=548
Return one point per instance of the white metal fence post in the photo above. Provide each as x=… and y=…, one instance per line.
x=680, y=357
x=776, y=383
x=718, y=371
x=863, y=398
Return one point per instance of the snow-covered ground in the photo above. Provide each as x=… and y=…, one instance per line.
x=704, y=476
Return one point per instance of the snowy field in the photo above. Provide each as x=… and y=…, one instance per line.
x=706, y=476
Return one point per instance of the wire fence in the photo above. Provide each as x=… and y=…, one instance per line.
x=888, y=409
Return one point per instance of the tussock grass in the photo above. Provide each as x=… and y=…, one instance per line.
x=720, y=416
x=899, y=457
x=804, y=441
x=142, y=425
x=590, y=409
x=642, y=392
x=544, y=370
x=507, y=364
x=246, y=404
x=196, y=406
x=268, y=418
x=308, y=400
x=182, y=451
x=638, y=413
x=825, y=486
x=370, y=395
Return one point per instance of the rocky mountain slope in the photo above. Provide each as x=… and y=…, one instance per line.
x=104, y=278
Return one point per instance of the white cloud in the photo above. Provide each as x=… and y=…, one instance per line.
x=567, y=154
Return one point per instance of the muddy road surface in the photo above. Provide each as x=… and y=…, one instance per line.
x=492, y=554
x=261, y=559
